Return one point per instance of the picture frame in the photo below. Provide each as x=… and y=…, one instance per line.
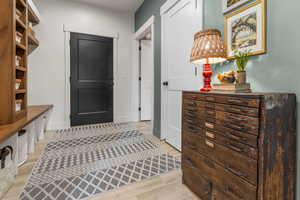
x=245, y=29
x=229, y=5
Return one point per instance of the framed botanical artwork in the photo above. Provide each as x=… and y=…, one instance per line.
x=229, y=5
x=245, y=29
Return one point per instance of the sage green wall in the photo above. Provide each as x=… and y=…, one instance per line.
x=276, y=71
x=279, y=69
x=146, y=10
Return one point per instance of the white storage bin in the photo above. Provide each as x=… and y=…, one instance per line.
x=18, y=83
x=19, y=37
x=18, y=60
x=22, y=147
x=47, y=119
x=18, y=105
x=39, y=128
x=31, y=137
x=8, y=173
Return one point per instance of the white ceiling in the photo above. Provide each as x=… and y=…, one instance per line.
x=119, y=5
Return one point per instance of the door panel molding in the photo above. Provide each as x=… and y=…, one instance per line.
x=181, y=12
x=91, y=58
x=67, y=29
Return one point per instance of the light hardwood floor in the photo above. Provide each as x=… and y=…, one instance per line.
x=165, y=187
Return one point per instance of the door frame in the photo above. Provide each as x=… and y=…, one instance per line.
x=138, y=35
x=169, y=4
x=67, y=29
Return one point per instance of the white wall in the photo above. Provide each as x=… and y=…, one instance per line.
x=46, y=64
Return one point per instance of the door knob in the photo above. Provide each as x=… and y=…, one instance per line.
x=166, y=83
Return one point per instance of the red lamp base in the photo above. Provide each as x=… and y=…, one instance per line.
x=207, y=73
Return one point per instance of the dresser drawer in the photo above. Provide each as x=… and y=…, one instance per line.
x=193, y=179
x=233, y=100
x=238, y=136
x=234, y=162
x=241, y=110
x=231, y=144
x=190, y=140
x=221, y=178
x=192, y=96
x=193, y=104
x=238, y=122
x=192, y=114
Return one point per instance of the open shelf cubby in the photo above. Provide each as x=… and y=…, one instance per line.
x=13, y=69
x=18, y=40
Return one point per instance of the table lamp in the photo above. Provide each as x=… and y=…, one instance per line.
x=208, y=48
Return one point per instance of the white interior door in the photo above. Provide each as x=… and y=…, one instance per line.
x=181, y=19
x=147, y=72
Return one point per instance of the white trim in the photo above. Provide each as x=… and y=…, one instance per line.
x=79, y=29
x=34, y=9
x=67, y=30
x=147, y=27
x=169, y=4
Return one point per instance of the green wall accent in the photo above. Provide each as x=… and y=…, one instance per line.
x=146, y=10
x=278, y=70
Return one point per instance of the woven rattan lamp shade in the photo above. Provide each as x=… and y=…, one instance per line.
x=208, y=47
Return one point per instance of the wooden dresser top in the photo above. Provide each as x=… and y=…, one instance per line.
x=249, y=95
x=33, y=113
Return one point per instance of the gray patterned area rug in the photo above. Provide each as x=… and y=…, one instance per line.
x=85, y=161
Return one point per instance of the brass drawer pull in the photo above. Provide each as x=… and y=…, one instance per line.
x=234, y=171
x=210, y=144
x=210, y=112
x=191, y=122
x=210, y=105
x=194, y=104
x=210, y=98
x=237, y=127
x=192, y=115
x=231, y=135
x=235, y=148
x=209, y=125
x=191, y=111
x=234, y=110
x=210, y=135
x=234, y=118
x=237, y=101
x=237, y=110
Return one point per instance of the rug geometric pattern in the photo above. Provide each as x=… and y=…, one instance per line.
x=95, y=159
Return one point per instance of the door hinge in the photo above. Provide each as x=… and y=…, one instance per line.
x=140, y=48
x=140, y=78
x=140, y=109
x=70, y=79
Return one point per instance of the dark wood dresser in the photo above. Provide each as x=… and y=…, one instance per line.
x=239, y=146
